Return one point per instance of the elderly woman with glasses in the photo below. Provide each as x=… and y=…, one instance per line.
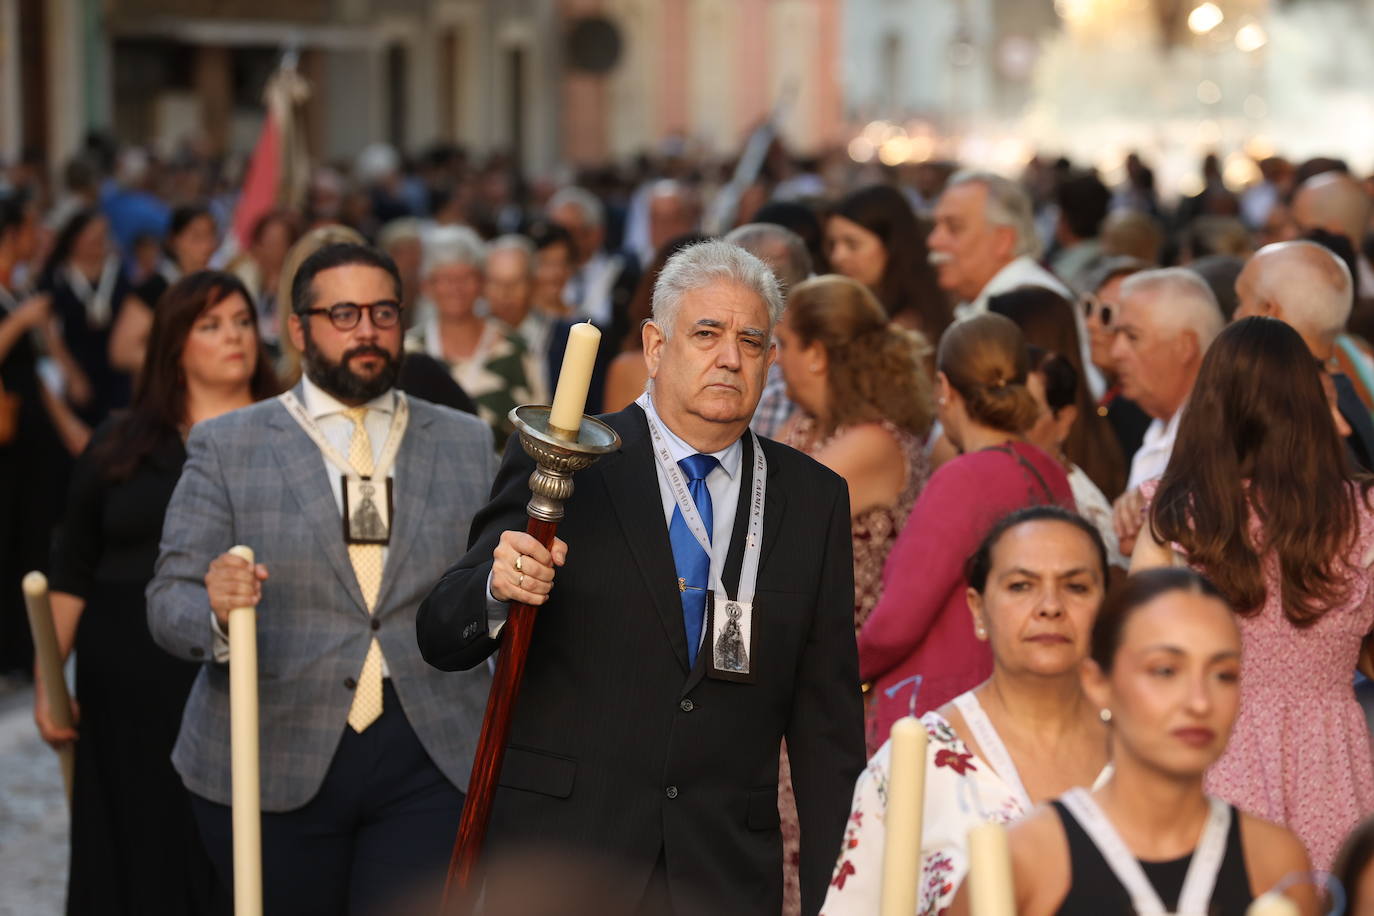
x=486, y=358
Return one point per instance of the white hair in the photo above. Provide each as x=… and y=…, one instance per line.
x=1007, y=204
x=514, y=242
x=1180, y=301
x=447, y=245
x=763, y=240
x=704, y=263
x=1309, y=283
x=593, y=211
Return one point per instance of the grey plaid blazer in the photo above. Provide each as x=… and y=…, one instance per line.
x=254, y=477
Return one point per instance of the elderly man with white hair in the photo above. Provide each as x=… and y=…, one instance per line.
x=487, y=359
x=984, y=243
x=602, y=282
x=1305, y=285
x=1165, y=322
x=697, y=610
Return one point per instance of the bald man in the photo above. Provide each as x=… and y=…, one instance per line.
x=1306, y=286
x=1336, y=202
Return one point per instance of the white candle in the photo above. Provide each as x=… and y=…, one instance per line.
x=244, y=760
x=50, y=666
x=1272, y=903
x=570, y=398
x=990, y=891
x=905, y=807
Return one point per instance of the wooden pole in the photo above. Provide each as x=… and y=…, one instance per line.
x=50, y=667
x=244, y=759
x=491, y=744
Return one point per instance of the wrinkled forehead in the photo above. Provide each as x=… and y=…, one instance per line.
x=722, y=303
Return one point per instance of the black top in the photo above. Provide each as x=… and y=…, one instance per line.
x=1095, y=891
x=90, y=347
x=1360, y=442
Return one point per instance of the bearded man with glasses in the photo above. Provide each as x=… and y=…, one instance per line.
x=355, y=498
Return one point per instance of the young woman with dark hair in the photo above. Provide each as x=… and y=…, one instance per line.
x=921, y=624
x=873, y=236
x=1164, y=673
x=1259, y=497
x=134, y=843
x=1046, y=320
x=1021, y=737
x=191, y=239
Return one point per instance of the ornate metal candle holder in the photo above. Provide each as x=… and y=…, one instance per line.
x=558, y=457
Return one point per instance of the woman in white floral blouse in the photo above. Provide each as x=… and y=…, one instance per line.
x=1025, y=735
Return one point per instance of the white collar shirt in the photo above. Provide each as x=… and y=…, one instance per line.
x=1153, y=455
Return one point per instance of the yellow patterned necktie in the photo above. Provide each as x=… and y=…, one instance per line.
x=367, y=567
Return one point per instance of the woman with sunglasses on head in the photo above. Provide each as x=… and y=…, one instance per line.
x=135, y=848
x=1023, y=736
x=1259, y=496
x=1099, y=306
x=1165, y=673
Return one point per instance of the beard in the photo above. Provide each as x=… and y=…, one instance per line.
x=342, y=382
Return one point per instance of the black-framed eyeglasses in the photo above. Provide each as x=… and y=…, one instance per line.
x=346, y=315
x=1092, y=304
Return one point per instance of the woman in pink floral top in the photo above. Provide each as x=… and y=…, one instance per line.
x=1258, y=496
x=865, y=409
x=1025, y=735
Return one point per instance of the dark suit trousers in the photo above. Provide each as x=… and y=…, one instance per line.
x=375, y=839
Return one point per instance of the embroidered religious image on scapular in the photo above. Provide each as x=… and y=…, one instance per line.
x=367, y=510
x=731, y=635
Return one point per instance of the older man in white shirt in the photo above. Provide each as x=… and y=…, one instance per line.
x=984, y=244
x=1166, y=321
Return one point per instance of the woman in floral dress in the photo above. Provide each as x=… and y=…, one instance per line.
x=1259, y=498
x=1025, y=735
x=865, y=407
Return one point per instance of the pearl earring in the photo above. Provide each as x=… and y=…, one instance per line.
x=1105, y=715
x=981, y=631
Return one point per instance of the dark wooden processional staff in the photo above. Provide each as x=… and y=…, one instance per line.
x=561, y=441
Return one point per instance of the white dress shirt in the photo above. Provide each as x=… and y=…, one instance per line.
x=328, y=414
x=1024, y=271
x=1153, y=455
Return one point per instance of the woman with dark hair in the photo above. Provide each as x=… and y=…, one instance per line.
x=1023, y=736
x=872, y=236
x=1046, y=321
x=190, y=242
x=1259, y=497
x=101, y=347
x=922, y=623
x=627, y=374
x=1164, y=673
x=134, y=843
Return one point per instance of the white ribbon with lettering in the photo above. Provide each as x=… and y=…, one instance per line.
x=399, y=417
x=994, y=751
x=1201, y=879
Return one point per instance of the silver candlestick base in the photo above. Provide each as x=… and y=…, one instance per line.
x=557, y=457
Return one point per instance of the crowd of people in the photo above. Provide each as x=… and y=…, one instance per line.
x=1079, y=478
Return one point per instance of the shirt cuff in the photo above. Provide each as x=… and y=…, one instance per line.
x=220, y=645
x=497, y=611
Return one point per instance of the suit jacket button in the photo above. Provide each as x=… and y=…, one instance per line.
x=350, y=683
x=376, y=624
x=671, y=792
x=197, y=652
x=687, y=706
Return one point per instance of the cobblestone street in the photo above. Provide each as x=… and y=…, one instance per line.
x=33, y=815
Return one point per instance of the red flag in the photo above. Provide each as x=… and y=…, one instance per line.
x=259, y=194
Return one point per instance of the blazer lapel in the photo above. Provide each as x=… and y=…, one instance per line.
x=304, y=469
x=415, y=464
x=632, y=486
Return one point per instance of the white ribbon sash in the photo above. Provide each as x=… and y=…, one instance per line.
x=990, y=743
x=399, y=418
x=1201, y=879
x=753, y=544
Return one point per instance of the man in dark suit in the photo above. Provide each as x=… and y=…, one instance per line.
x=627, y=741
x=1307, y=286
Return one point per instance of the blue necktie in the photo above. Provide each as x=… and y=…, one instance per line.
x=693, y=563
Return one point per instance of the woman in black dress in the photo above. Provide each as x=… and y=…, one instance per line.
x=135, y=848
x=192, y=238
x=104, y=324
x=1165, y=672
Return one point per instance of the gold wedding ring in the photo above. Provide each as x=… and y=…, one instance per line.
x=521, y=582
x=518, y=561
